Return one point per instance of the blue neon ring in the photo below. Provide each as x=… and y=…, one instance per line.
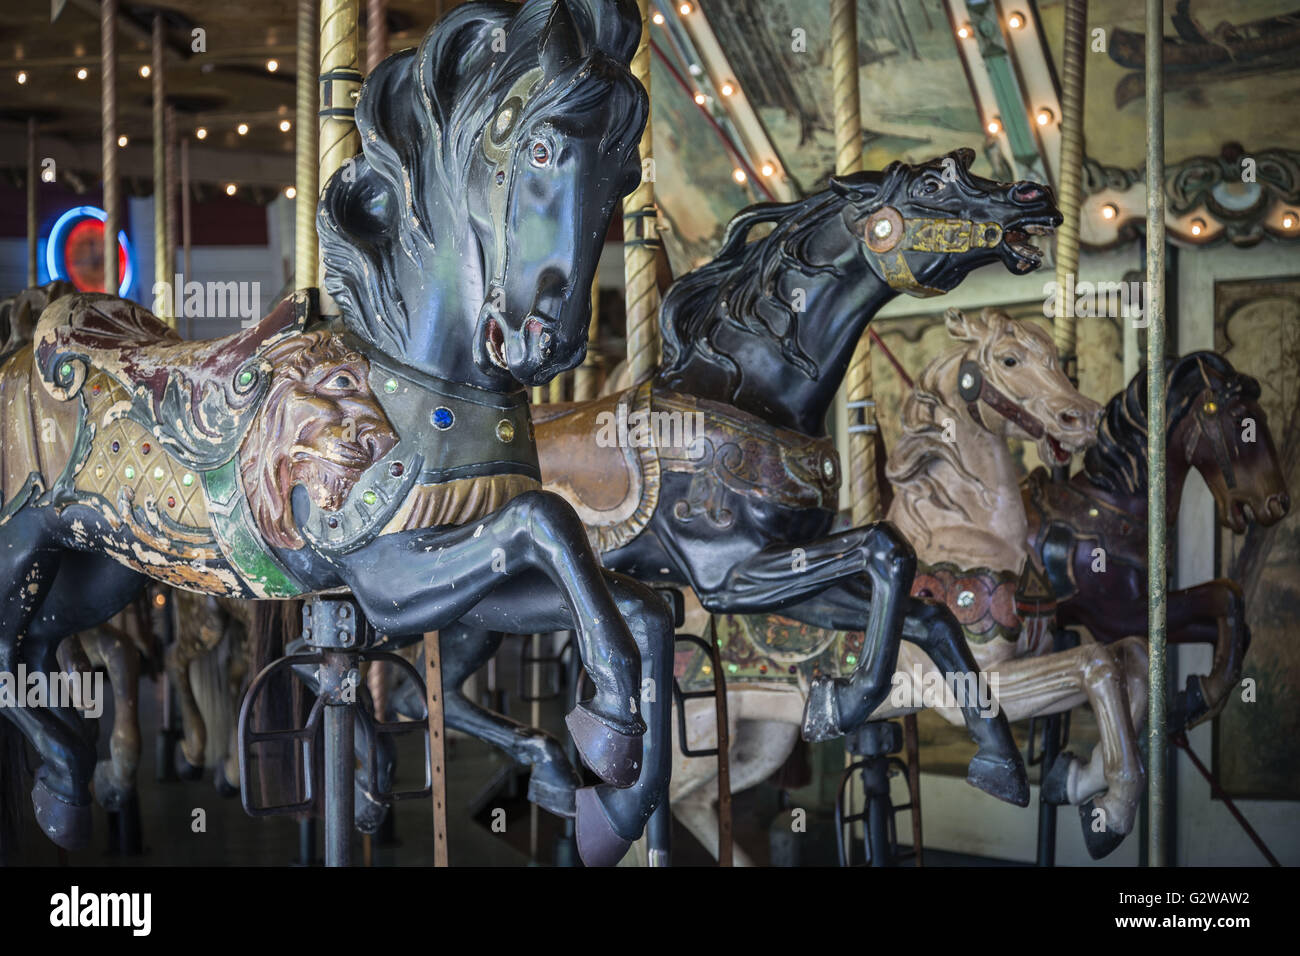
x=56, y=265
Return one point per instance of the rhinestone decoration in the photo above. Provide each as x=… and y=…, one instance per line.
x=144, y=448
x=369, y=497
x=967, y=380
x=390, y=386
x=396, y=469
x=171, y=501
x=883, y=228
x=116, y=446
x=965, y=598
x=245, y=376
x=187, y=480
x=158, y=473
x=129, y=472
x=828, y=468
x=443, y=418
x=505, y=431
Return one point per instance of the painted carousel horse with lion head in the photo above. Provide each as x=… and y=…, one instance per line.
x=387, y=453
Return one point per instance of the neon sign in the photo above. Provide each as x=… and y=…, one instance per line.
x=74, y=251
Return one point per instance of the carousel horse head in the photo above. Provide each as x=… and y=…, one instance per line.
x=925, y=227
x=494, y=158
x=1011, y=381
x=1215, y=424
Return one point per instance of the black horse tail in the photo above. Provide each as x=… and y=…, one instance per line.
x=282, y=704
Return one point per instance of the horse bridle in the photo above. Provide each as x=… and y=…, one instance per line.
x=1209, y=409
x=498, y=147
x=974, y=388
x=887, y=236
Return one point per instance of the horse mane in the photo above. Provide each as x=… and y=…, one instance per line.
x=738, y=287
x=922, y=464
x=1118, y=462
x=420, y=115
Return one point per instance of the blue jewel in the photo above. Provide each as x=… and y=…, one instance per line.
x=443, y=418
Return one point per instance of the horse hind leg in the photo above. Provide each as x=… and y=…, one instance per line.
x=553, y=779
x=115, y=777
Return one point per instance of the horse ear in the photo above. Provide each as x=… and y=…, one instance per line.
x=561, y=44
x=613, y=25
x=964, y=155
x=963, y=327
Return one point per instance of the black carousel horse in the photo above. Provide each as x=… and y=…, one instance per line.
x=758, y=342
x=389, y=453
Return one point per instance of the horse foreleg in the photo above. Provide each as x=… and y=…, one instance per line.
x=1209, y=613
x=800, y=581
x=1107, y=787
x=115, y=778
x=553, y=780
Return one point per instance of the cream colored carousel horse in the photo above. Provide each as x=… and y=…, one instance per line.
x=957, y=500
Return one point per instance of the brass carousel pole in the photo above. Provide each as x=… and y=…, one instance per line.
x=160, y=271
x=641, y=240
x=339, y=81
x=584, y=377
x=185, y=220
x=33, y=177
x=108, y=115
x=305, y=158
x=1155, y=314
x=1067, y=237
x=376, y=33
x=864, y=496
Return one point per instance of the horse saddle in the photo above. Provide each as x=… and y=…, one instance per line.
x=196, y=398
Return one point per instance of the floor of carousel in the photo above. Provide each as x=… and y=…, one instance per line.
x=479, y=783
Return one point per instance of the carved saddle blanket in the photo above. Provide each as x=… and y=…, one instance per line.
x=191, y=450
x=993, y=605
x=607, y=456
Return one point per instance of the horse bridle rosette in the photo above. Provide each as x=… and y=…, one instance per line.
x=888, y=236
x=975, y=388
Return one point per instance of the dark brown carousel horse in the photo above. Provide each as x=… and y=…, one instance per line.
x=757, y=343
x=1091, y=532
x=387, y=453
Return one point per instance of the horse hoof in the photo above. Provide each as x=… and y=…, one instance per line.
x=367, y=812
x=598, y=843
x=67, y=824
x=1197, y=708
x=821, y=713
x=613, y=756
x=224, y=787
x=111, y=795
x=184, y=769
x=558, y=800
x=1100, y=843
x=1056, y=785
x=1001, y=777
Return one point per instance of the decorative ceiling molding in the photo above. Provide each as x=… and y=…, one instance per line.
x=1238, y=197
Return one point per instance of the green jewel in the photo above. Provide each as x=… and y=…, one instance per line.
x=850, y=658
x=390, y=386
x=65, y=370
x=187, y=480
x=129, y=472
x=158, y=473
x=245, y=376
x=369, y=497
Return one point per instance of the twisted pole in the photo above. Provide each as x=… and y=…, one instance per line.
x=376, y=33
x=865, y=496
x=1157, y=600
x=160, y=272
x=1067, y=237
x=305, y=158
x=169, y=200
x=108, y=122
x=641, y=238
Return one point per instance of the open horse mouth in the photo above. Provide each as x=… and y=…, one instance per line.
x=494, y=343
x=1025, y=256
x=1055, y=452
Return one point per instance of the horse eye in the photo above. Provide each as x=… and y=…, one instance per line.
x=540, y=153
x=1010, y=361
x=343, y=380
x=932, y=186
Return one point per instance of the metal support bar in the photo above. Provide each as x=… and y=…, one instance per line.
x=33, y=177
x=1156, y=522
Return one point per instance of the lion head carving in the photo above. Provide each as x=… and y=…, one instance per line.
x=319, y=426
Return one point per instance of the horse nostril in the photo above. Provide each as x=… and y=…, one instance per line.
x=1283, y=502
x=1025, y=192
